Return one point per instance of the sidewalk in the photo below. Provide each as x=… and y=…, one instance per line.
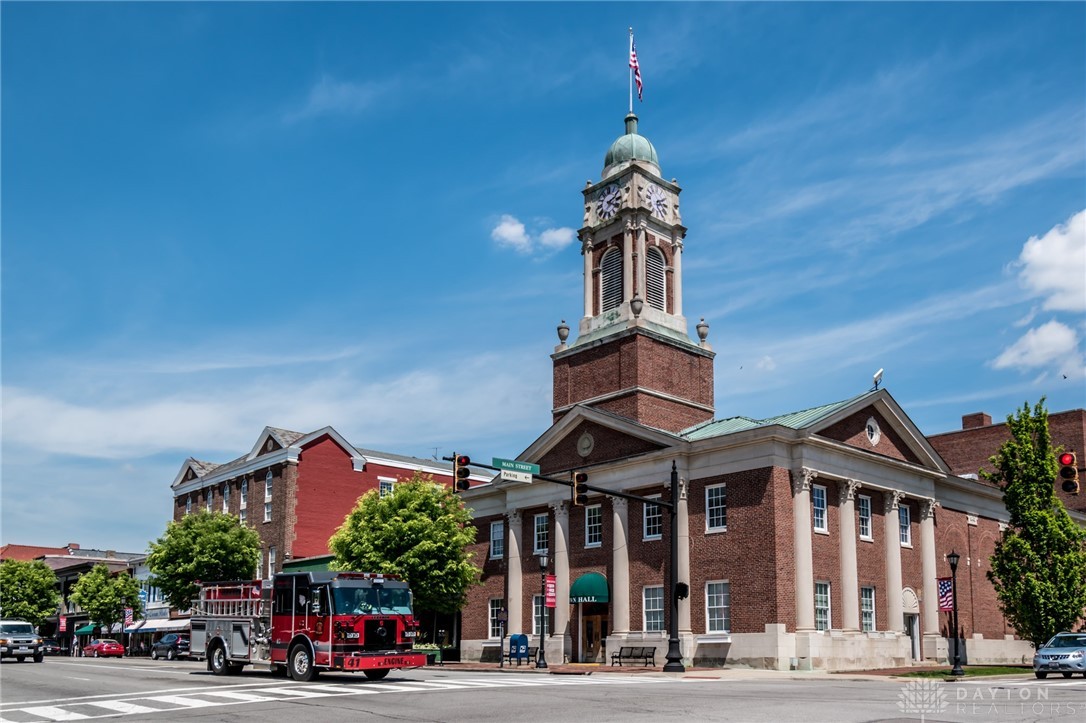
x=528, y=668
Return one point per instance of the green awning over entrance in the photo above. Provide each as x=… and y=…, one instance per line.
x=87, y=629
x=590, y=587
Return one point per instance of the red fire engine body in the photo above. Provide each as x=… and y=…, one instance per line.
x=305, y=622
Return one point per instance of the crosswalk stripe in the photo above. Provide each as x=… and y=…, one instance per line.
x=54, y=713
x=120, y=706
x=296, y=692
x=184, y=701
x=234, y=695
x=334, y=689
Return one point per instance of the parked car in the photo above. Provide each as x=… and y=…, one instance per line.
x=18, y=640
x=104, y=647
x=170, y=646
x=1065, y=653
x=50, y=647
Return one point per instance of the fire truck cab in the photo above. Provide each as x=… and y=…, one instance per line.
x=305, y=622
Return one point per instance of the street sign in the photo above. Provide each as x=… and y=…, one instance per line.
x=515, y=466
x=510, y=475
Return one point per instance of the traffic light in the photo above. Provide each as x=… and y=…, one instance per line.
x=1069, y=472
x=580, y=488
x=461, y=472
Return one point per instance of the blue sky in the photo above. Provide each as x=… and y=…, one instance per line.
x=218, y=217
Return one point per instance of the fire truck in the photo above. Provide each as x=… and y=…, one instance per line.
x=302, y=623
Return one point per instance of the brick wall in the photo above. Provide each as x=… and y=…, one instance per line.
x=609, y=444
x=853, y=431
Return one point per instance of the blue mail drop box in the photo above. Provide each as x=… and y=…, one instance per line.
x=518, y=648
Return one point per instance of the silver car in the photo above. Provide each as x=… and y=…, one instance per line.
x=1064, y=653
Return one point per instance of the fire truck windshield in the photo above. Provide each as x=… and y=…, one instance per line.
x=372, y=601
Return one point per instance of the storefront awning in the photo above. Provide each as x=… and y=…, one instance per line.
x=134, y=626
x=590, y=587
x=88, y=629
x=161, y=626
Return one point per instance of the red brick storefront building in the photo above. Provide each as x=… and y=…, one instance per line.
x=809, y=540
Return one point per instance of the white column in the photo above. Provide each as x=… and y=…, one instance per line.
x=930, y=611
x=620, y=564
x=586, y=252
x=639, y=244
x=682, y=524
x=677, y=277
x=850, y=585
x=894, y=608
x=561, y=567
x=514, y=578
x=804, y=562
x=627, y=262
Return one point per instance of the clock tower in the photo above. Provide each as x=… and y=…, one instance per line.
x=633, y=355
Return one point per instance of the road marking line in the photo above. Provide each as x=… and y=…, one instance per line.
x=333, y=689
x=296, y=692
x=184, y=701
x=122, y=707
x=247, y=697
x=54, y=713
x=8, y=705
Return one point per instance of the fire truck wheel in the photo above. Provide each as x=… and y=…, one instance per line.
x=301, y=664
x=375, y=674
x=216, y=661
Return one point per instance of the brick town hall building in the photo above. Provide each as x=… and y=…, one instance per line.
x=808, y=540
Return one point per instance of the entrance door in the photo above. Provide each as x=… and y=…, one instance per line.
x=593, y=631
x=912, y=627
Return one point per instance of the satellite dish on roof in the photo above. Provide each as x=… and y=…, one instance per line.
x=877, y=378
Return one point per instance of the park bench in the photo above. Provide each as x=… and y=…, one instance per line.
x=644, y=655
x=509, y=655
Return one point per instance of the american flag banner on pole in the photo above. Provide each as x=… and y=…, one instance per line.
x=946, y=594
x=635, y=67
x=127, y=617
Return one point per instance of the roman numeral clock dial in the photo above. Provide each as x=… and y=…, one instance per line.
x=657, y=201
x=607, y=202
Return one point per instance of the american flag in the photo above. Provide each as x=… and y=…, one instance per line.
x=635, y=66
x=946, y=594
x=127, y=617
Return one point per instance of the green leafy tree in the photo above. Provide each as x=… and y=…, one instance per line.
x=1039, y=564
x=204, y=546
x=28, y=591
x=104, y=595
x=419, y=533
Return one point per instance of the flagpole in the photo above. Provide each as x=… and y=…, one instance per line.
x=631, y=69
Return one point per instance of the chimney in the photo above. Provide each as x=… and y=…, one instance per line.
x=974, y=421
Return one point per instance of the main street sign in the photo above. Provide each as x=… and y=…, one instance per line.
x=513, y=471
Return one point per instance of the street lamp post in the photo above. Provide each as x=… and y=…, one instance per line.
x=953, y=558
x=541, y=661
x=674, y=655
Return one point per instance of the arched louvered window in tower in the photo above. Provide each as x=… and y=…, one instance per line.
x=611, y=280
x=654, y=279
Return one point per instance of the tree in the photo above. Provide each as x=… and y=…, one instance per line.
x=1039, y=564
x=420, y=534
x=104, y=595
x=28, y=591
x=204, y=546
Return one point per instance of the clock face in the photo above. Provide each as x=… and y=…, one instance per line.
x=607, y=202
x=657, y=201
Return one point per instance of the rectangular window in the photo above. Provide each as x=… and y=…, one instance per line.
x=903, y=524
x=210, y=500
x=718, y=606
x=260, y=566
x=716, y=508
x=654, y=521
x=226, y=497
x=654, y=609
x=496, y=607
x=822, y=606
x=497, y=540
x=188, y=505
x=243, y=515
x=244, y=499
x=593, y=526
x=542, y=536
x=385, y=485
x=537, y=614
x=818, y=498
x=863, y=503
x=271, y=561
x=268, y=497
x=867, y=609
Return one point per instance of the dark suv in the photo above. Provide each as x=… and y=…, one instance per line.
x=18, y=640
x=170, y=647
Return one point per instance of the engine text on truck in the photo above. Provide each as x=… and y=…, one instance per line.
x=305, y=622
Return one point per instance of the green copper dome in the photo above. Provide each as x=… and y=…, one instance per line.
x=630, y=147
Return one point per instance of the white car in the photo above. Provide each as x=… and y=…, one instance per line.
x=1065, y=653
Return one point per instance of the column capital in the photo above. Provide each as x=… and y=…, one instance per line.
x=927, y=508
x=560, y=508
x=515, y=517
x=619, y=504
x=892, y=500
x=851, y=485
x=801, y=480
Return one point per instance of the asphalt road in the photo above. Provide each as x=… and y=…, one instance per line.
x=141, y=689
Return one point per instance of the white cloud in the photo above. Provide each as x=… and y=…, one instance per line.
x=766, y=363
x=329, y=95
x=1051, y=345
x=1054, y=265
x=512, y=234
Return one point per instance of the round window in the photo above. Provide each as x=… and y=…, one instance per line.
x=874, y=434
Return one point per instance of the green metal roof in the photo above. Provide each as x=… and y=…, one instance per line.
x=631, y=146
x=793, y=420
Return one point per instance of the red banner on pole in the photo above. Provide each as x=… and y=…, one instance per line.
x=551, y=598
x=63, y=627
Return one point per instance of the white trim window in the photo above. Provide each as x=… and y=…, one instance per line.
x=243, y=501
x=188, y=505
x=268, y=489
x=716, y=508
x=822, y=606
x=863, y=505
x=385, y=485
x=497, y=539
x=226, y=497
x=541, y=527
x=209, y=498
x=496, y=606
x=867, y=609
x=818, y=502
x=904, y=518
x=271, y=562
x=537, y=614
x=718, y=606
x=652, y=520
x=653, y=598
x=593, y=526
x=260, y=566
